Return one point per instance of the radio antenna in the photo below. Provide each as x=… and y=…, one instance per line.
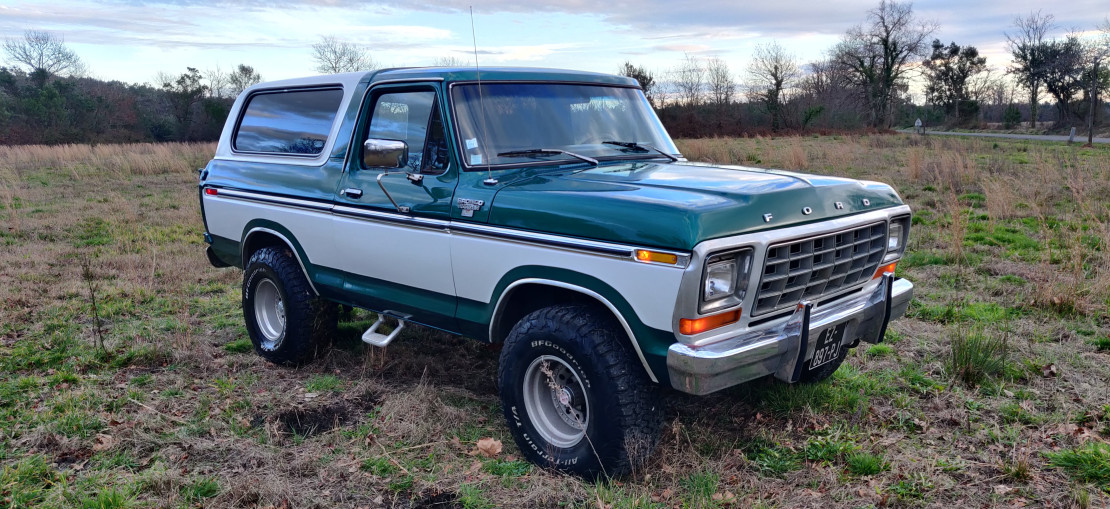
x=481, y=103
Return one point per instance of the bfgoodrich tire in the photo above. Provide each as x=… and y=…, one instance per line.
x=286, y=323
x=575, y=399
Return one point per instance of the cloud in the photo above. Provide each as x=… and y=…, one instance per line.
x=683, y=48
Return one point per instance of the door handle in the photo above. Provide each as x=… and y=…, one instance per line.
x=353, y=193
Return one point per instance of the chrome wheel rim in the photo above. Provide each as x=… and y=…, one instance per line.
x=269, y=313
x=556, y=401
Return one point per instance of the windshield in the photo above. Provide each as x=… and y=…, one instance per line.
x=520, y=118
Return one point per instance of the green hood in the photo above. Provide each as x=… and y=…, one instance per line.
x=677, y=205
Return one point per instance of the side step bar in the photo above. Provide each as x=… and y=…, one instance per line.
x=373, y=337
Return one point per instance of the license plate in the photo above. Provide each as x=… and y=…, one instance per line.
x=828, y=345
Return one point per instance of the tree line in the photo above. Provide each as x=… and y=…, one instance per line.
x=885, y=72
x=45, y=97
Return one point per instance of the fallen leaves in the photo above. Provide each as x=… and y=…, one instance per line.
x=489, y=447
x=104, y=442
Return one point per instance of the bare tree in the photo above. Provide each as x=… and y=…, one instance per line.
x=722, y=86
x=771, y=73
x=217, y=82
x=450, y=61
x=643, y=76
x=877, y=55
x=689, y=80
x=44, y=55
x=333, y=56
x=1027, y=45
x=241, y=78
x=1100, y=52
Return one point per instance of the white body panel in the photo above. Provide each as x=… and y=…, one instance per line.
x=313, y=229
x=480, y=263
x=416, y=257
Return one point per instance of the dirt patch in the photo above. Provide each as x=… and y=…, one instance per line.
x=427, y=498
x=316, y=419
x=308, y=422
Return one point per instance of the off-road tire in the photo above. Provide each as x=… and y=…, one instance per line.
x=310, y=322
x=825, y=371
x=625, y=412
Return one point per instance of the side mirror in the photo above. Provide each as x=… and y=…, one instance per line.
x=378, y=153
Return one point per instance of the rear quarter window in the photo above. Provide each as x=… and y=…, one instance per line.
x=288, y=122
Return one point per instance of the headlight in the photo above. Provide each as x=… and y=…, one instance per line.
x=726, y=279
x=720, y=280
x=896, y=238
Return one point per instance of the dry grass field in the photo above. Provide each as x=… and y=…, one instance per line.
x=126, y=379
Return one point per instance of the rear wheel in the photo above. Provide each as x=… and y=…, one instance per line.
x=286, y=322
x=575, y=399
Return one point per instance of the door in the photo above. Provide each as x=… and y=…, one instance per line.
x=394, y=242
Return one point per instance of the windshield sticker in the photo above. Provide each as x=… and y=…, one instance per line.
x=475, y=159
x=472, y=143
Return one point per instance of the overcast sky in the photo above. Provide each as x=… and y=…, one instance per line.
x=133, y=40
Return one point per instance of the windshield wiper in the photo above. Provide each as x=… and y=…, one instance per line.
x=640, y=146
x=546, y=151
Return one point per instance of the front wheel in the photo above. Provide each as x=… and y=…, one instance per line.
x=575, y=399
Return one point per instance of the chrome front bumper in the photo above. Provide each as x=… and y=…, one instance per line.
x=783, y=349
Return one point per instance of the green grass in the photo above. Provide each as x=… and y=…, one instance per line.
x=242, y=345
x=200, y=489
x=957, y=311
x=472, y=497
x=108, y=499
x=828, y=449
x=913, y=487
x=977, y=355
x=25, y=483
x=865, y=463
x=880, y=350
x=323, y=383
x=700, y=486
x=1087, y=463
x=504, y=468
x=379, y=466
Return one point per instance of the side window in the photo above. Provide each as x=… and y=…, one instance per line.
x=288, y=122
x=412, y=117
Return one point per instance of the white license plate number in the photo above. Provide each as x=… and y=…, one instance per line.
x=828, y=345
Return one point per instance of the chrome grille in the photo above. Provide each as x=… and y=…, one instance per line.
x=816, y=266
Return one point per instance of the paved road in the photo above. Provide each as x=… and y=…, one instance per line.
x=1041, y=137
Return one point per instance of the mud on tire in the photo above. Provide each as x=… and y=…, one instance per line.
x=576, y=399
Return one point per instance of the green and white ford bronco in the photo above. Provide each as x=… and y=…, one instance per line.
x=549, y=211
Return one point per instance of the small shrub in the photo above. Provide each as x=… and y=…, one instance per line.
x=977, y=356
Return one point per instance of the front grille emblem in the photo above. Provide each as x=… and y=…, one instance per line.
x=767, y=218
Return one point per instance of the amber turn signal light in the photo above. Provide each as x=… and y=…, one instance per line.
x=884, y=269
x=690, y=326
x=644, y=255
